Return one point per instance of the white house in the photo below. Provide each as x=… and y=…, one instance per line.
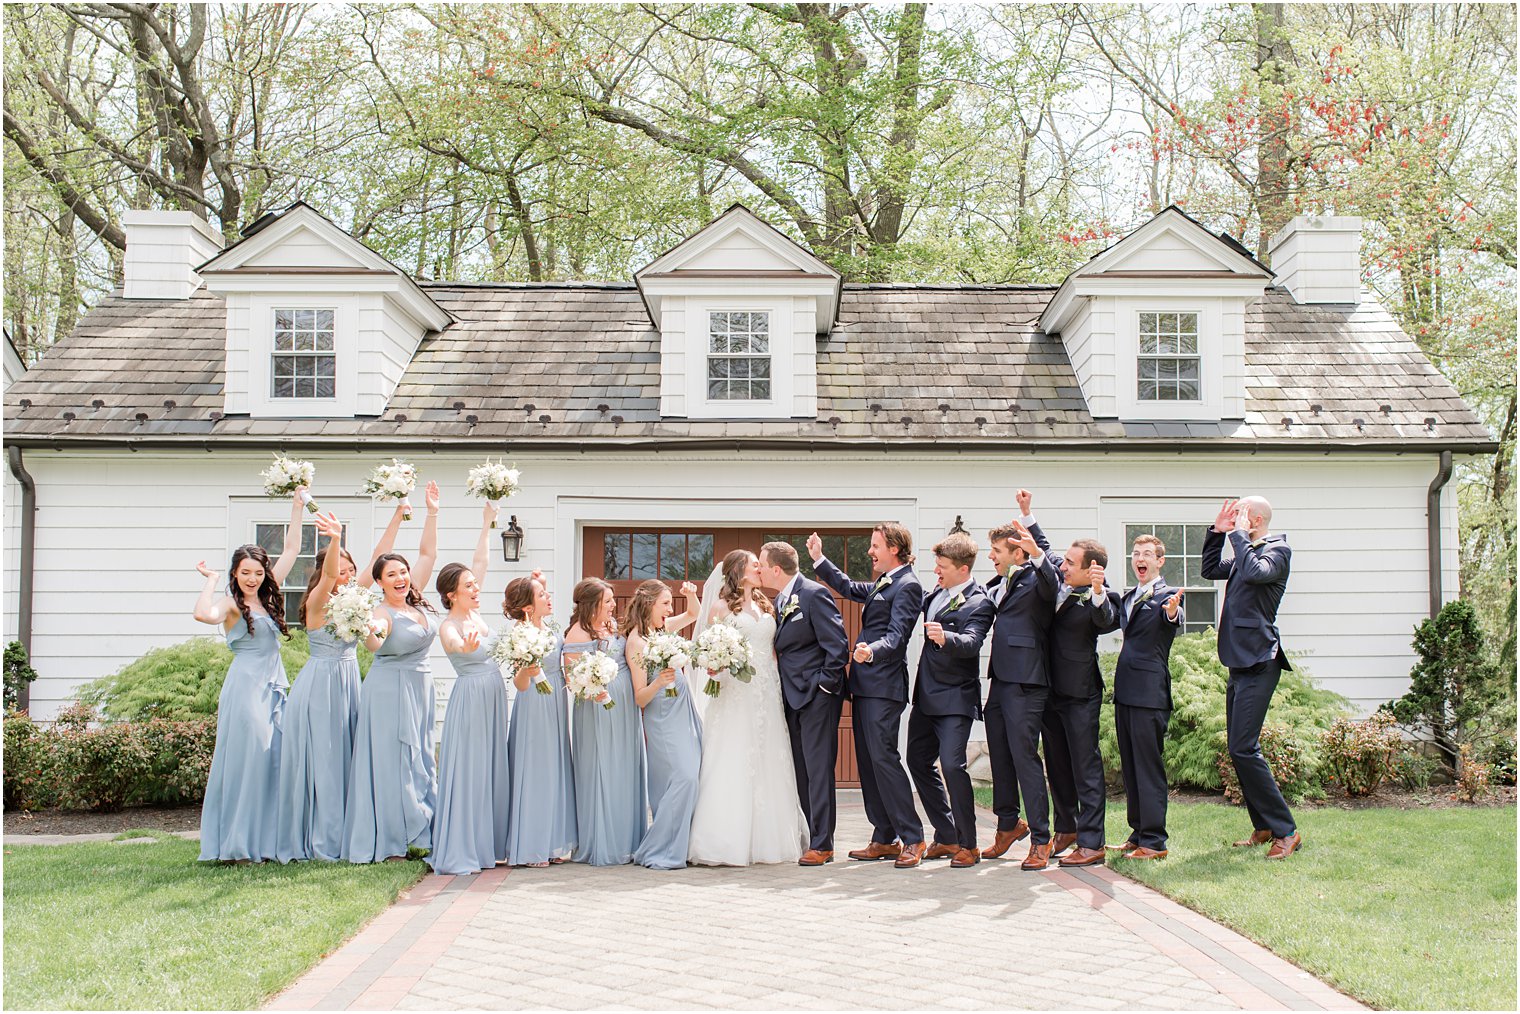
x=734, y=391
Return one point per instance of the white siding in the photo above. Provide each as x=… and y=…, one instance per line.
x=1166, y=251
x=112, y=583
x=739, y=251
x=303, y=248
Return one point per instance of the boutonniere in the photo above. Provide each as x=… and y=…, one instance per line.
x=881, y=583
x=1147, y=596
x=956, y=601
x=1085, y=596
x=792, y=605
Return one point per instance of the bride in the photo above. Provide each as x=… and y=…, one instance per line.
x=747, y=809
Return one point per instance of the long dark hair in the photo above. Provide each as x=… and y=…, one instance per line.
x=413, y=596
x=586, y=598
x=448, y=583
x=269, y=591
x=518, y=598
x=316, y=576
x=734, y=566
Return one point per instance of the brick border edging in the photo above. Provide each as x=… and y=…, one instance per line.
x=381, y=963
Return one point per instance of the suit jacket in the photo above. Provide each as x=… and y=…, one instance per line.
x=1254, y=585
x=886, y=626
x=1074, y=634
x=1021, y=623
x=811, y=647
x=1144, y=676
x=949, y=675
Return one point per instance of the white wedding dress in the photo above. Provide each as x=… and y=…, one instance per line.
x=747, y=809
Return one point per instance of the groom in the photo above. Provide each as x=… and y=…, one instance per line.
x=811, y=650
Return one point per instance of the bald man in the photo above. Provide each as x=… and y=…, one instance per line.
x=1255, y=580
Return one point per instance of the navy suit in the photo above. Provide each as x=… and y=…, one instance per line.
x=878, y=692
x=946, y=700
x=811, y=653
x=1073, y=759
x=1020, y=686
x=1143, y=707
x=1255, y=581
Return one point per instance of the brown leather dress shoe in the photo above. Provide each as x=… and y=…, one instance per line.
x=815, y=857
x=1004, y=841
x=1145, y=853
x=1257, y=838
x=1061, y=841
x=911, y=856
x=941, y=851
x=876, y=851
x=1083, y=857
x=1038, y=858
x=1282, y=848
x=965, y=858
x=1128, y=846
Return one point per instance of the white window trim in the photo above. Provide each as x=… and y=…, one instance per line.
x=1116, y=514
x=1172, y=357
x=782, y=346
x=769, y=355
x=345, y=354
x=312, y=354
x=245, y=512
x=1210, y=360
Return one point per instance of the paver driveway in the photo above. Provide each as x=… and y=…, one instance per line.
x=848, y=935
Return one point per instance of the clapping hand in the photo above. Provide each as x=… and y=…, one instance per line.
x=862, y=652
x=1242, y=518
x=815, y=547
x=1225, y=519
x=1025, y=498
x=1172, y=604
x=935, y=632
x=1096, y=573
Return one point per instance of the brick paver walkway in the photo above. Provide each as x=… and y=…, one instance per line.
x=849, y=935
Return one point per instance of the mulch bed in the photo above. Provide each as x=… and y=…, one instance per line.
x=150, y=818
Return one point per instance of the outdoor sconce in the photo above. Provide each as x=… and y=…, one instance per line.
x=511, y=541
x=958, y=528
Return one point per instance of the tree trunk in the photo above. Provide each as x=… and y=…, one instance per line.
x=1274, y=166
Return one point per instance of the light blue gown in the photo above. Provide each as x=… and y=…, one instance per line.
x=673, y=743
x=238, y=817
x=392, y=788
x=542, y=825
x=608, y=756
x=474, y=790
x=317, y=750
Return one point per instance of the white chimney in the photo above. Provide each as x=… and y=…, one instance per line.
x=1318, y=258
x=163, y=250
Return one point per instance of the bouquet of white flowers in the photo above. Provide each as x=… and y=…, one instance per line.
x=351, y=611
x=722, y=649
x=492, y=480
x=395, y=481
x=287, y=475
x=523, y=645
x=591, y=675
x=665, y=650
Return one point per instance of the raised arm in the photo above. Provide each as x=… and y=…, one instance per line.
x=280, y=570
x=482, y=559
x=829, y=574
x=210, y=608
x=385, y=545
x=1214, y=568
x=316, y=601
x=1261, y=565
x=427, y=550
x=680, y=621
x=456, y=640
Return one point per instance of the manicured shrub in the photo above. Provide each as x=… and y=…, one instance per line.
x=1195, y=739
x=183, y=681
x=18, y=674
x=1455, y=687
x=1359, y=756
x=1296, y=775
x=29, y=778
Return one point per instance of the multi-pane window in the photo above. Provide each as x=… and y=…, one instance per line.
x=739, y=356
x=669, y=556
x=1168, y=366
x=272, y=538
x=304, y=364
x=1183, y=568
x=847, y=552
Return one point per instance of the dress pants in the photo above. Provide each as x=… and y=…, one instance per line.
x=1142, y=752
x=814, y=732
x=1076, y=766
x=1014, y=714
x=1246, y=700
x=943, y=738
x=884, y=784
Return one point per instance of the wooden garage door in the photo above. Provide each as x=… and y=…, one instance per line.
x=627, y=556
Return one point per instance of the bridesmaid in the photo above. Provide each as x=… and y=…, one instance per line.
x=238, y=821
x=610, y=805
x=542, y=826
x=474, y=791
x=392, y=791
x=322, y=711
x=672, y=733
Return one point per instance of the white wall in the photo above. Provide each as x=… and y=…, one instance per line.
x=118, y=534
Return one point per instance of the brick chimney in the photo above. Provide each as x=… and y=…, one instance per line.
x=163, y=250
x=1318, y=259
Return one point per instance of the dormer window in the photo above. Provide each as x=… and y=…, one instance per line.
x=1168, y=367
x=305, y=362
x=739, y=356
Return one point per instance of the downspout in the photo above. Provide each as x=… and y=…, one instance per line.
x=28, y=554
x=1433, y=533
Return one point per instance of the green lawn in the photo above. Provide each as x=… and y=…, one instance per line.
x=1406, y=909
x=145, y=926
